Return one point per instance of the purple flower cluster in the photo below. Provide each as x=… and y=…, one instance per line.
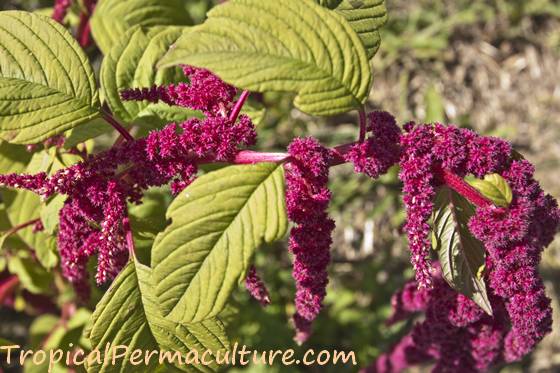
x=99, y=188
x=307, y=199
x=60, y=10
x=514, y=239
x=426, y=151
x=380, y=150
x=456, y=333
x=419, y=185
x=256, y=287
x=204, y=92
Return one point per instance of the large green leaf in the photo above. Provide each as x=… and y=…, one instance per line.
x=113, y=18
x=22, y=207
x=127, y=315
x=47, y=85
x=494, y=187
x=131, y=64
x=462, y=257
x=366, y=18
x=13, y=158
x=217, y=223
x=281, y=45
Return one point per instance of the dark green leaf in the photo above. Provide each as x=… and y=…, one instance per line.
x=462, y=257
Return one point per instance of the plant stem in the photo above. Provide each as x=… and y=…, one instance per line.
x=363, y=124
x=252, y=157
x=463, y=188
x=238, y=106
x=7, y=288
x=446, y=177
x=17, y=228
x=116, y=125
x=129, y=237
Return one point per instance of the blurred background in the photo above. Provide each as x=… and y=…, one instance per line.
x=488, y=65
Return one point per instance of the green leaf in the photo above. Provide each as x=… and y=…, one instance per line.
x=494, y=187
x=127, y=315
x=13, y=158
x=148, y=218
x=366, y=18
x=256, y=113
x=22, y=207
x=462, y=257
x=217, y=223
x=47, y=85
x=131, y=64
x=113, y=18
x=282, y=45
x=87, y=131
x=31, y=275
x=49, y=213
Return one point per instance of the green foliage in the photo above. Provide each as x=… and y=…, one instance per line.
x=23, y=207
x=113, y=18
x=217, y=224
x=462, y=257
x=47, y=85
x=277, y=47
x=366, y=18
x=13, y=158
x=32, y=276
x=128, y=315
x=494, y=187
x=131, y=64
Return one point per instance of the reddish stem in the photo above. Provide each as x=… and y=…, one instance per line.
x=8, y=288
x=238, y=106
x=129, y=237
x=463, y=188
x=17, y=228
x=252, y=157
x=363, y=124
x=116, y=125
x=85, y=37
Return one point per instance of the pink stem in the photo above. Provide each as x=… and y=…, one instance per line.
x=116, y=125
x=129, y=237
x=238, y=106
x=463, y=188
x=252, y=157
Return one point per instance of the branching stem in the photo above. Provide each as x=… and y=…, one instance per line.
x=238, y=106
x=363, y=124
x=116, y=125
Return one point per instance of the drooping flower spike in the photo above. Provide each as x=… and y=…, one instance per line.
x=100, y=187
x=514, y=238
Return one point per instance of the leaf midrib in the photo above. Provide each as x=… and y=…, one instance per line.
x=219, y=239
x=81, y=100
